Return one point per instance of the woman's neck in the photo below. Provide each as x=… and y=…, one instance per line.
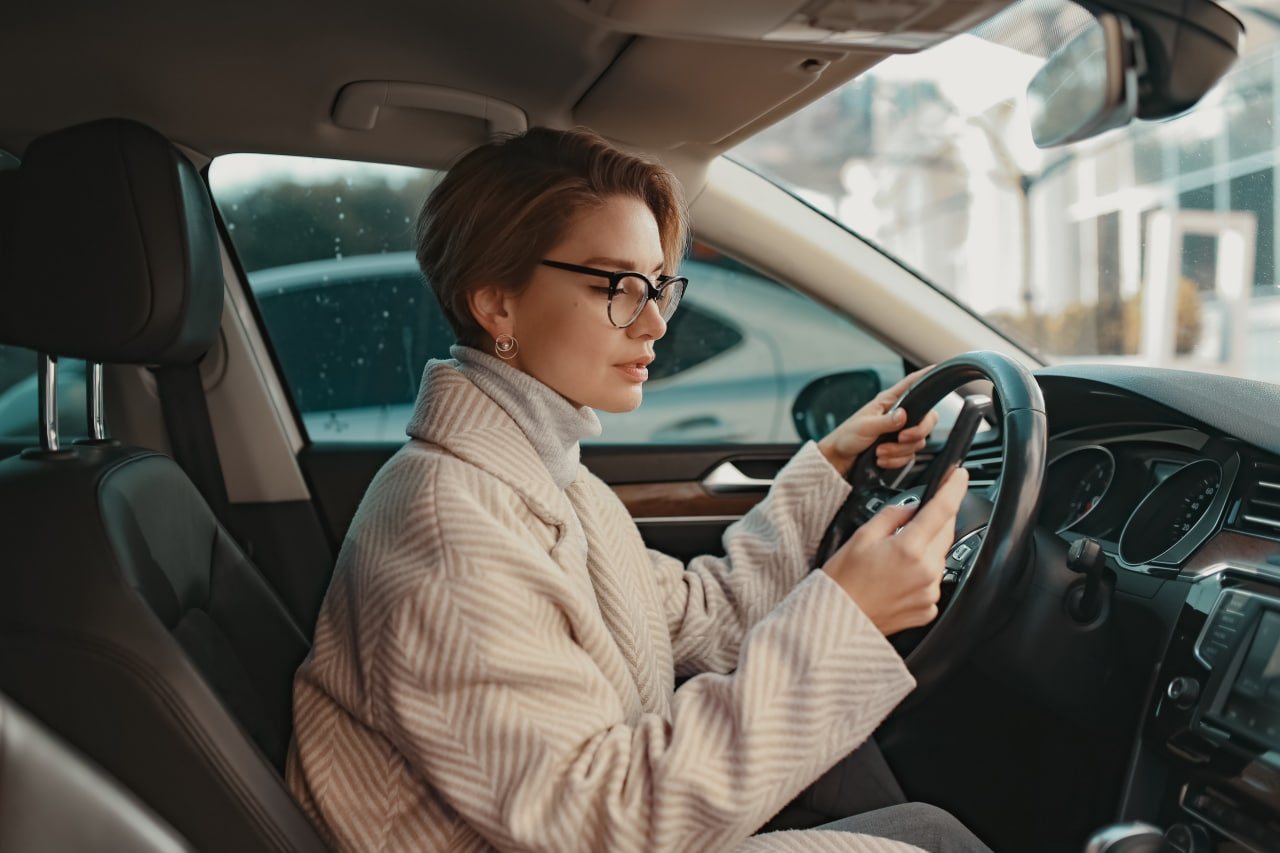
x=553, y=425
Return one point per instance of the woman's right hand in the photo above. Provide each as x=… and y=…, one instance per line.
x=897, y=579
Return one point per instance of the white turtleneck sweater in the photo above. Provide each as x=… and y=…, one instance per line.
x=553, y=425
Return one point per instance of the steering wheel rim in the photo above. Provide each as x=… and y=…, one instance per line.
x=992, y=576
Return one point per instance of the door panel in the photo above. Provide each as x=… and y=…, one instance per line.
x=662, y=487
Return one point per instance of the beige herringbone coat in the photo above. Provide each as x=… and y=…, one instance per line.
x=484, y=676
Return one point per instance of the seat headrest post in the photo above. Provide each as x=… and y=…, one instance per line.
x=48, y=402
x=93, y=394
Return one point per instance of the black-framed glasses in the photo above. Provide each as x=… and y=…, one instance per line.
x=629, y=292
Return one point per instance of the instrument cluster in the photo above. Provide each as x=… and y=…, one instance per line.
x=1156, y=501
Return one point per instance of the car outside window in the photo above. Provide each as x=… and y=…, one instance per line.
x=327, y=249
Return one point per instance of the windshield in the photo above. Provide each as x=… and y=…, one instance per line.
x=1152, y=243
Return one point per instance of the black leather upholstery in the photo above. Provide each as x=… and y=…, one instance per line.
x=134, y=627
x=131, y=623
x=114, y=254
x=55, y=800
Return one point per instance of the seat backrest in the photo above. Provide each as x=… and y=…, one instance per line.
x=130, y=622
x=56, y=800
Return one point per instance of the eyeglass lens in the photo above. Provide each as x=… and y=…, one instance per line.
x=629, y=298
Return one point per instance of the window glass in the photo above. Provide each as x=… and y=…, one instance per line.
x=930, y=157
x=327, y=247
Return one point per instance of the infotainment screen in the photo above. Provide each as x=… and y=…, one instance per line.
x=1253, y=704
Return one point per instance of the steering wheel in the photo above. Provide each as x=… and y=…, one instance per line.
x=983, y=577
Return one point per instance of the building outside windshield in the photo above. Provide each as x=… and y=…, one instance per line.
x=1070, y=251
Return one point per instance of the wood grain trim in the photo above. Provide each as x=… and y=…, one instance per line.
x=660, y=500
x=1238, y=549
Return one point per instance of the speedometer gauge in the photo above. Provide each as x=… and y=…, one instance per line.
x=1172, y=514
x=1076, y=483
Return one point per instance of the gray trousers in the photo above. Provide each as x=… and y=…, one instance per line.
x=927, y=827
x=863, y=786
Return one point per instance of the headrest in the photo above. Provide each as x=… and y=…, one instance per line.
x=112, y=251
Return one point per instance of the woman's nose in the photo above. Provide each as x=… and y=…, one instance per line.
x=650, y=323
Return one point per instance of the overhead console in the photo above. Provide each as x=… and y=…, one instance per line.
x=883, y=25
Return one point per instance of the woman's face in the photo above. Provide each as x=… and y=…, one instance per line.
x=560, y=320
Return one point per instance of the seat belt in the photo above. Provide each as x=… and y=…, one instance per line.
x=186, y=418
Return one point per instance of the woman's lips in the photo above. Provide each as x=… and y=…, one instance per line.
x=634, y=372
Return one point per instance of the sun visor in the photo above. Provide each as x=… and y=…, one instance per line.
x=662, y=93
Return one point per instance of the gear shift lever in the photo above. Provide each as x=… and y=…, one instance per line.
x=1134, y=837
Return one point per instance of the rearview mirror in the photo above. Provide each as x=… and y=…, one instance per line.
x=827, y=402
x=1087, y=87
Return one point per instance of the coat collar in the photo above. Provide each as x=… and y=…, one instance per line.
x=452, y=413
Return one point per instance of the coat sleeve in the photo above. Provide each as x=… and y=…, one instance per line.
x=485, y=692
x=712, y=603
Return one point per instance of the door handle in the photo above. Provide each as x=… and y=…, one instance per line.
x=728, y=478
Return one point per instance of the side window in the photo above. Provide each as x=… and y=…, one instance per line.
x=357, y=340
x=736, y=355
x=327, y=247
x=693, y=336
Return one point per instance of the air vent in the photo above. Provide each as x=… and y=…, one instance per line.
x=1260, y=509
x=984, y=466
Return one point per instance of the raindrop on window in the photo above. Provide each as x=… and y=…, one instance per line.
x=386, y=313
x=342, y=216
x=338, y=199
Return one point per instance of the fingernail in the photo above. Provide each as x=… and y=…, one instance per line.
x=900, y=416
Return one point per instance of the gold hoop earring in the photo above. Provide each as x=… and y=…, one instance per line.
x=506, y=347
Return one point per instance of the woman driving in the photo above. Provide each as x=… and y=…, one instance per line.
x=494, y=662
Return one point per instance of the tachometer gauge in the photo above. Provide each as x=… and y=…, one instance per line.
x=1076, y=484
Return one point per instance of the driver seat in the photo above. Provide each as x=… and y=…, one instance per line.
x=131, y=623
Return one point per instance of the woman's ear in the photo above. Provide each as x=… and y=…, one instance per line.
x=493, y=308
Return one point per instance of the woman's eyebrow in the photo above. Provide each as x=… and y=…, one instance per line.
x=619, y=264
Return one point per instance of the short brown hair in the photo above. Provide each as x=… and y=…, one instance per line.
x=506, y=203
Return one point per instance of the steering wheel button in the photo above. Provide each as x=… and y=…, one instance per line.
x=961, y=552
x=874, y=504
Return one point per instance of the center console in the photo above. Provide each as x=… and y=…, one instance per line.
x=1212, y=730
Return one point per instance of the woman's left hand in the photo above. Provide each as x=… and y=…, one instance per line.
x=844, y=444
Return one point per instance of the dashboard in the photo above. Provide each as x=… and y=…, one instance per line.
x=1177, y=477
